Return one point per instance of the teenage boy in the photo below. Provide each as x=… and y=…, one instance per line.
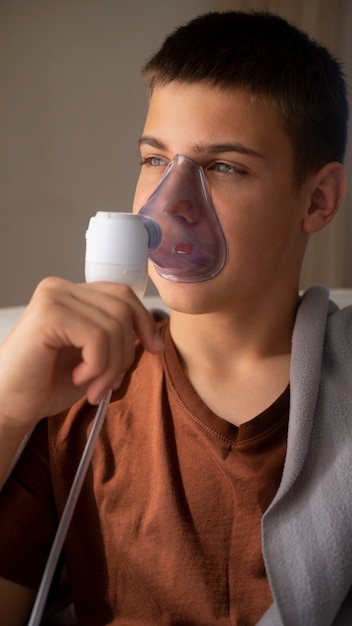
x=220, y=488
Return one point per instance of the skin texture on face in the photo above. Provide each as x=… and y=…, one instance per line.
x=248, y=161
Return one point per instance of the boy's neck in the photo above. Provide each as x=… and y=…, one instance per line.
x=238, y=363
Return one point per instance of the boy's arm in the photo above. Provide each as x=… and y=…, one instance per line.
x=15, y=603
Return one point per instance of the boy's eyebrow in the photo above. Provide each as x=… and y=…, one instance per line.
x=226, y=147
x=209, y=148
x=149, y=140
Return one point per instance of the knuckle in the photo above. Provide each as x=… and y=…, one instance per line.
x=125, y=291
x=50, y=284
x=47, y=292
x=119, y=291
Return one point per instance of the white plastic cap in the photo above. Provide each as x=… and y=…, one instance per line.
x=117, y=238
x=117, y=250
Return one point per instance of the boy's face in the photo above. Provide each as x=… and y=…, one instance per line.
x=248, y=161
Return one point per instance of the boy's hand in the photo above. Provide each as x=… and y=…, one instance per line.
x=72, y=339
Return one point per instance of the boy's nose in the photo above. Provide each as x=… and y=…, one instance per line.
x=180, y=207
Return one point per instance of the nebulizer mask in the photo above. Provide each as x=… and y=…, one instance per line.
x=186, y=242
x=177, y=229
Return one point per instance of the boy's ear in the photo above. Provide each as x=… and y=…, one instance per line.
x=328, y=192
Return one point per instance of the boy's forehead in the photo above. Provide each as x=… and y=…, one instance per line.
x=200, y=111
x=202, y=100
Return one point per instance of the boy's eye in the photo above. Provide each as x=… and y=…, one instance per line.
x=226, y=168
x=153, y=161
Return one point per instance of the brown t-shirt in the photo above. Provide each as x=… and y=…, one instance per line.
x=167, y=529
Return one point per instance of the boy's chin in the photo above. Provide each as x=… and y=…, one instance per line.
x=189, y=298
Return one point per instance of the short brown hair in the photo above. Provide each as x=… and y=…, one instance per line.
x=273, y=60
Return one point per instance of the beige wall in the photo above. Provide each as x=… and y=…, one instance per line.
x=72, y=105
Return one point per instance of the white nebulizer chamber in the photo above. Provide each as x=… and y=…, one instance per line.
x=117, y=250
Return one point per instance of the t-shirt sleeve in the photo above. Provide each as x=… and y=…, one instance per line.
x=27, y=514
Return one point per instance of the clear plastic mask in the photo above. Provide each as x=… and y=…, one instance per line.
x=186, y=242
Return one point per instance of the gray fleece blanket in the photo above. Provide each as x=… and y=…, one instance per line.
x=307, y=530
